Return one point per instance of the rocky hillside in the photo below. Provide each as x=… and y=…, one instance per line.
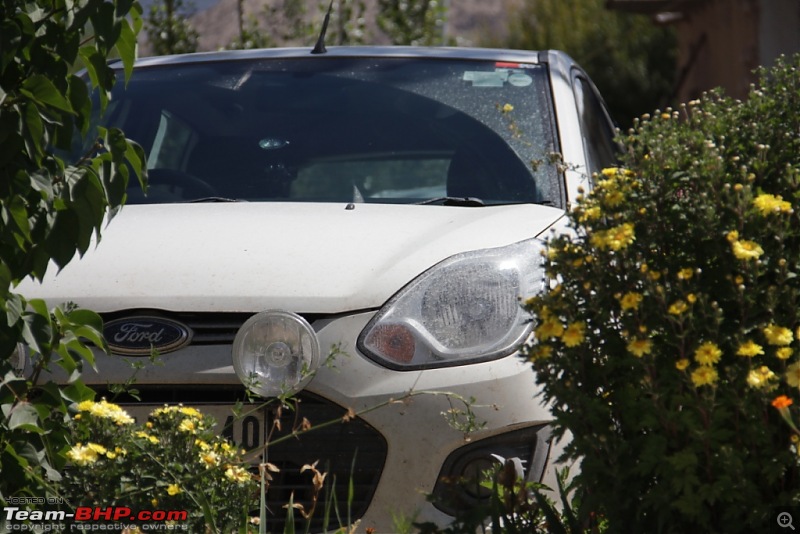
x=470, y=22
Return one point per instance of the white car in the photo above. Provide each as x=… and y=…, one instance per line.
x=386, y=203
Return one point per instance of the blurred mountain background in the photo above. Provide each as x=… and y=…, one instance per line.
x=217, y=22
x=642, y=54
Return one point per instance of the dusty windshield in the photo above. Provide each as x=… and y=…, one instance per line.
x=332, y=129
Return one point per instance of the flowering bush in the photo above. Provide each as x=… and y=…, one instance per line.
x=175, y=461
x=673, y=322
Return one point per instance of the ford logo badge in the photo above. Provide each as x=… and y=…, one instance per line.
x=138, y=336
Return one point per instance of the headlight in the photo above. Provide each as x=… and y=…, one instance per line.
x=463, y=310
x=275, y=352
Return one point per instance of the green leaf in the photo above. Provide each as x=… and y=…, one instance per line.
x=37, y=331
x=137, y=160
x=77, y=392
x=100, y=74
x=62, y=239
x=5, y=282
x=18, y=210
x=126, y=46
x=24, y=416
x=12, y=37
x=116, y=143
x=42, y=90
x=15, y=307
x=79, y=99
x=33, y=131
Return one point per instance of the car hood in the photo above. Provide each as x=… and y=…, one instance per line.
x=308, y=258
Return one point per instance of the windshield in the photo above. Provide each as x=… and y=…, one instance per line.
x=333, y=129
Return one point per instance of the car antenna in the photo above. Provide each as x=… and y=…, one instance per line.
x=319, y=48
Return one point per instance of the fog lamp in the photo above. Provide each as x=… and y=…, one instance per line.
x=275, y=352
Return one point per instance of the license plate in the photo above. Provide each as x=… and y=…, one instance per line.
x=248, y=432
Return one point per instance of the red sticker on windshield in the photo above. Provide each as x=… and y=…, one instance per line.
x=504, y=65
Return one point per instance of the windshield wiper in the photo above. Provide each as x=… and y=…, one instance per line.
x=214, y=199
x=455, y=201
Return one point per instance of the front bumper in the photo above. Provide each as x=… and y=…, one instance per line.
x=402, y=416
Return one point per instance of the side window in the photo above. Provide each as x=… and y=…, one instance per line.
x=598, y=132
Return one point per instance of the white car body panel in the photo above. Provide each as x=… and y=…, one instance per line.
x=319, y=258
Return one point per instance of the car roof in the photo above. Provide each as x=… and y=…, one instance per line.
x=491, y=54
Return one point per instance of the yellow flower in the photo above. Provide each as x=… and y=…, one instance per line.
x=106, y=410
x=749, y=349
x=508, y=108
x=615, y=238
x=573, y=335
x=732, y=236
x=704, y=376
x=82, y=455
x=187, y=425
x=209, y=459
x=99, y=449
x=793, y=374
x=784, y=353
x=173, y=489
x=682, y=364
x=591, y=214
x=747, y=250
x=769, y=204
x=631, y=301
x=685, y=274
x=614, y=199
x=707, y=354
x=237, y=474
x=145, y=435
x=191, y=412
x=550, y=328
x=761, y=377
x=621, y=236
x=640, y=347
x=778, y=335
x=677, y=307
x=540, y=352
x=609, y=172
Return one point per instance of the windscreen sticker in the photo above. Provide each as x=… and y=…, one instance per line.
x=497, y=78
x=504, y=64
x=482, y=78
x=519, y=79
